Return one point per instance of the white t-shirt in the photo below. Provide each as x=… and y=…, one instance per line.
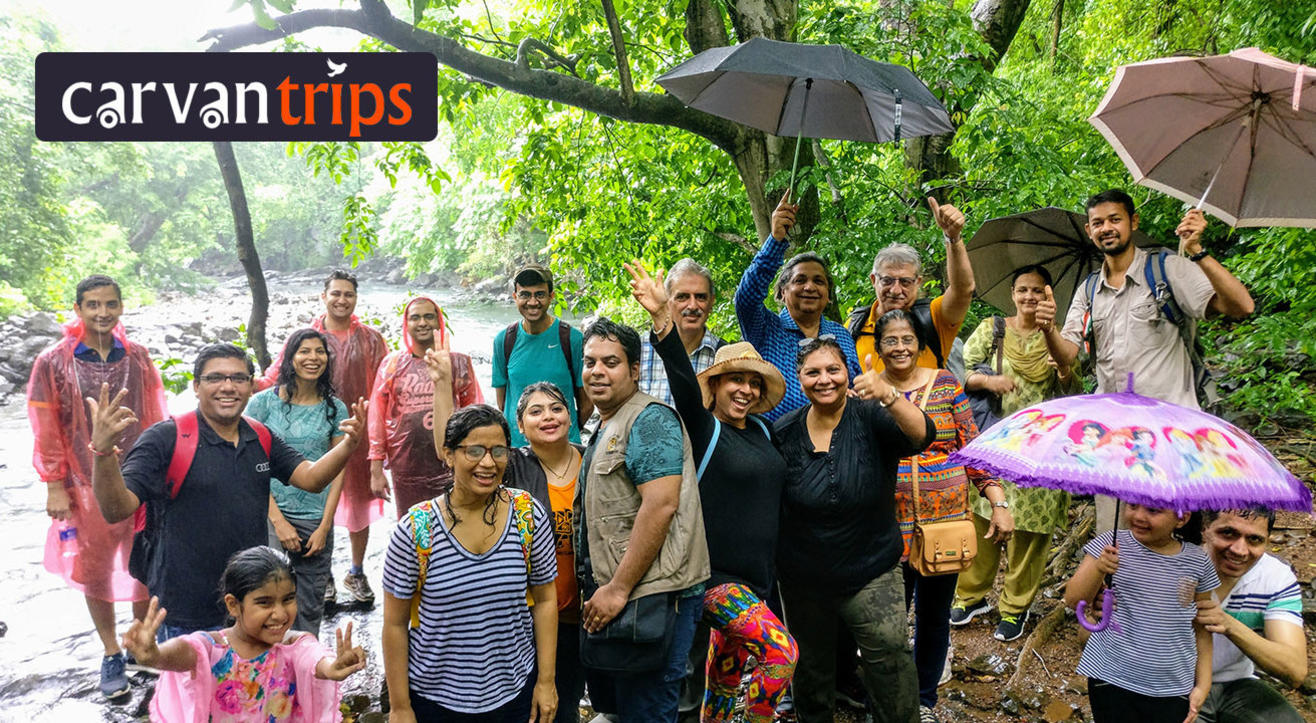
x=1269, y=591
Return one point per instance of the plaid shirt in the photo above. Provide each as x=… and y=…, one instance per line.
x=777, y=336
x=653, y=377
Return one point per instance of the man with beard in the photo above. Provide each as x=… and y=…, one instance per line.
x=1131, y=334
x=401, y=424
x=220, y=505
x=690, y=298
x=357, y=350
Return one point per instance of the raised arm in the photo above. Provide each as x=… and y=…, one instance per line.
x=1062, y=350
x=959, y=273
x=1280, y=649
x=175, y=654
x=1231, y=296
x=754, y=318
x=1202, y=669
x=108, y=421
x=315, y=476
x=439, y=364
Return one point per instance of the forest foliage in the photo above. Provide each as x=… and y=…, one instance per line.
x=513, y=177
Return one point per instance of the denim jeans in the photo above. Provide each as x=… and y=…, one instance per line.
x=650, y=697
x=1246, y=701
x=931, y=597
x=570, y=677
x=312, y=573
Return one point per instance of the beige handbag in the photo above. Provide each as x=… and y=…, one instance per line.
x=940, y=548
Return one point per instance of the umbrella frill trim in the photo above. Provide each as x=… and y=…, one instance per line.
x=1078, y=487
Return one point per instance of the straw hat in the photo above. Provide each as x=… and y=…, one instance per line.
x=742, y=357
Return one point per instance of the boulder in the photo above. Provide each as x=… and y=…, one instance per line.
x=43, y=323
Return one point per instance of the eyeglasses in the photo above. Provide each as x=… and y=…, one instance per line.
x=476, y=452
x=905, y=281
x=891, y=342
x=806, y=341
x=528, y=295
x=214, y=379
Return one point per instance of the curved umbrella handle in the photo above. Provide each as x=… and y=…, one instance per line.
x=1107, y=613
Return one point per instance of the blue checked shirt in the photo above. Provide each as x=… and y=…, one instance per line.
x=777, y=336
x=653, y=377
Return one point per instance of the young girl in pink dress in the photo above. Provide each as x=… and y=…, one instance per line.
x=258, y=669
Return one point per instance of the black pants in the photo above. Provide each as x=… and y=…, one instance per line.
x=1113, y=704
x=516, y=710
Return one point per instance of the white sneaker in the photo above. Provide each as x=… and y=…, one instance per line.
x=946, y=673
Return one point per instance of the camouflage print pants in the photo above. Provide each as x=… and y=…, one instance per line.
x=877, y=620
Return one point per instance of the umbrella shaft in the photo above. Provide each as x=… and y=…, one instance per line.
x=808, y=85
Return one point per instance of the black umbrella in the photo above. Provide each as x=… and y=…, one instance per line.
x=819, y=91
x=1050, y=237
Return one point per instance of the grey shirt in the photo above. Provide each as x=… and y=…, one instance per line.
x=1133, y=336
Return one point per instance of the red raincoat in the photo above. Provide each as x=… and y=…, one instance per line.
x=401, y=419
x=56, y=394
x=357, y=353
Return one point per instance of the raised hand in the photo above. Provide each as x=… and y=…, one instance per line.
x=1190, y=231
x=783, y=217
x=949, y=219
x=108, y=419
x=438, y=361
x=648, y=290
x=140, y=638
x=355, y=426
x=1046, y=311
x=349, y=658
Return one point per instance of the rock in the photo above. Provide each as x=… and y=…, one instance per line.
x=228, y=333
x=3, y=628
x=6, y=388
x=1057, y=710
x=28, y=349
x=356, y=703
x=491, y=287
x=1010, y=705
x=373, y=717
x=989, y=664
x=43, y=323
x=192, y=329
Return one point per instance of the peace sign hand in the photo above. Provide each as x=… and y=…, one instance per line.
x=355, y=425
x=439, y=363
x=108, y=419
x=140, y=638
x=349, y=659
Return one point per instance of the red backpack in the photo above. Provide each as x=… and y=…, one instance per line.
x=147, y=518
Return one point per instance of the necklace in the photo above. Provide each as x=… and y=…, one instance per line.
x=571, y=457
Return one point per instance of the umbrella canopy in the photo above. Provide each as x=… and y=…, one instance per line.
x=1050, y=237
x=1234, y=134
x=1136, y=449
x=818, y=91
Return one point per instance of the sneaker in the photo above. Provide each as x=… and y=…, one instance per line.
x=961, y=614
x=946, y=673
x=1010, y=627
x=114, y=677
x=925, y=715
x=851, y=692
x=359, y=588
x=331, y=592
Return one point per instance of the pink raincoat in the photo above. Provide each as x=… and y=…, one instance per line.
x=280, y=686
x=61, y=427
x=401, y=418
x=357, y=353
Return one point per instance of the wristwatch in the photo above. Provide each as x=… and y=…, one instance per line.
x=1003, y=504
x=1199, y=255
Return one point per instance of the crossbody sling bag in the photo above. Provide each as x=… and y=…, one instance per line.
x=940, y=548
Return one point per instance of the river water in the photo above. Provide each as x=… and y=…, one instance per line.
x=49, y=656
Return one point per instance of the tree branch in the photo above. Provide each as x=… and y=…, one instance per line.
x=556, y=58
x=619, y=49
x=749, y=246
x=374, y=20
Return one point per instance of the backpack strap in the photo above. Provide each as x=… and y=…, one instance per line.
x=523, y=511
x=855, y=323
x=564, y=340
x=1159, y=284
x=762, y=426
x=422, y=535
x=262, y=434
x=998, y=341
x=186, y=438
x=1089, y=329
x=926, y=328
x=509, y=341
x=708, y=453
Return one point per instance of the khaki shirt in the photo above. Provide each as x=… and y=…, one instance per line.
x=1133, y=336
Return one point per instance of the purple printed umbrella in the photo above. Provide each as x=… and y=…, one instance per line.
x=1135, y=449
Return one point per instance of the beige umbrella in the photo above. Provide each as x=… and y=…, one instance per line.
x=1234, y=134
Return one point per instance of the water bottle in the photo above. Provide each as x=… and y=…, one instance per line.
x=68, y=547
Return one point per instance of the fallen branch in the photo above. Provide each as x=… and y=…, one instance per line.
x=1039, y=636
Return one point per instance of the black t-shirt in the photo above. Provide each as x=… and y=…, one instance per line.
x=220, y=509
x=838, y=522
x=741, y=489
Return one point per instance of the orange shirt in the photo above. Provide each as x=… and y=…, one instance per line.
x=866, y=344
x=568, y=595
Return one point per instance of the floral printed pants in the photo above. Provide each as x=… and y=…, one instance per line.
x=744, y=627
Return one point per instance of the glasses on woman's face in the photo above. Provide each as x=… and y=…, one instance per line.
x=891, y=342
x=476, y=452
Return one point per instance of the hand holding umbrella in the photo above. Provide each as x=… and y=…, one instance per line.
x=783, y=216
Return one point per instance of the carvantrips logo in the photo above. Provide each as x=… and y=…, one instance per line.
x=236, y=96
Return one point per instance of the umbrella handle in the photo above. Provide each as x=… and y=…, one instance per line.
x=1107, y=610
x=808, y=85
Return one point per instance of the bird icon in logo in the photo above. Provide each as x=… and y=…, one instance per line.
x=335, y=68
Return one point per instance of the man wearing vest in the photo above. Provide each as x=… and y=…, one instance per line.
x=640, y=540
x=1257, y=622
x=690, y=298
x=357, y=350
x=219, y=506
x=897, y=278
x=1128, y=328
x=539, y=348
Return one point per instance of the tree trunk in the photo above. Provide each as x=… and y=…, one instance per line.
x=247, y=256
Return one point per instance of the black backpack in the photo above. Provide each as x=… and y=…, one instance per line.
x=564, y=341
x=923, y=326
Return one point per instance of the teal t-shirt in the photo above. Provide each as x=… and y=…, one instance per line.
x=306, y=429
x=536, y=358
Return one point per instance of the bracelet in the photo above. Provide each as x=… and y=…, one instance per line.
x=889, y=400
x=112, y=453
x=1199, y=255
x=667, y=320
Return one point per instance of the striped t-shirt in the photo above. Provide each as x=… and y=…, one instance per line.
x=475, y=646
x=1268, y=591
x=1155, y=652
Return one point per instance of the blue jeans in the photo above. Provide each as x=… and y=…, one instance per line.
x=931, y=596
x=650, y=697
